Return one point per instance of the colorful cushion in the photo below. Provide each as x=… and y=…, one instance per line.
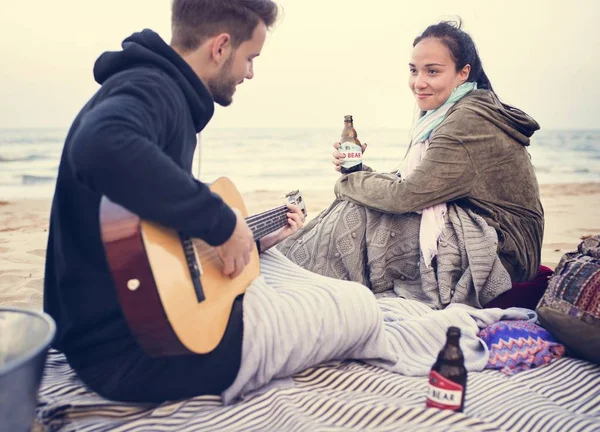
x=570, y=308
x=519, y=345
x=524, y=294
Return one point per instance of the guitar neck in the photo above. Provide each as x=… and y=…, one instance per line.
x=267, y=222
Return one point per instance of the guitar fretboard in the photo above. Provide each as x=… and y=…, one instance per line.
x=267, y=222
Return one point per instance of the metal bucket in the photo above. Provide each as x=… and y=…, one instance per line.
x=25, y=337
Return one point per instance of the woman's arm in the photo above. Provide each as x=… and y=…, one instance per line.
x=446, y=173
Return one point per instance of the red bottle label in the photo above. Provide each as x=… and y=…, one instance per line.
x=443, y=393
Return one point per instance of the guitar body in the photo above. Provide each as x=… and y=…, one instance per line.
x=170, y=311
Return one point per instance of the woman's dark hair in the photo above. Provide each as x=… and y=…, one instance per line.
x=462, y=49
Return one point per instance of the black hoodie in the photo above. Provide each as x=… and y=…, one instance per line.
x=134, y=143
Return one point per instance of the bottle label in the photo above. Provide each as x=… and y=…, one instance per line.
x=353, y=154
x=443, y=393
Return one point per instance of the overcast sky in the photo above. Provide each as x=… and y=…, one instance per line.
x=324, y=59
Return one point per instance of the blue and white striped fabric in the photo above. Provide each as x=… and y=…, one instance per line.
x=336, y=396
x=345, y=395
x=563, y=396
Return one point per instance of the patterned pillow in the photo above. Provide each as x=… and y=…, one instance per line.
x=570, y=308
x=519, y=345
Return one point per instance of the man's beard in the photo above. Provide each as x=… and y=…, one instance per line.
x=223, y=86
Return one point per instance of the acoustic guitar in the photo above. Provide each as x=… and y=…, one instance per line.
x=171, y=287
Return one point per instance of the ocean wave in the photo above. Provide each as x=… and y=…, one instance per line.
x=23, y=158
x=286, y=158
x=34, y=180
x=30, y=140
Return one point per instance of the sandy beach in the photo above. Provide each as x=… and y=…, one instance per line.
x=570, y=210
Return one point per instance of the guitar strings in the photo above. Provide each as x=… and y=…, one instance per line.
x=210, y=255
x=260, y=232
x=263, y=223
x=263, y=215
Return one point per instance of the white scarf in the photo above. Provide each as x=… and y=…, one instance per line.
x=432, y=219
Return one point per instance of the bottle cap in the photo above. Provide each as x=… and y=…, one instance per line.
x=347, y=118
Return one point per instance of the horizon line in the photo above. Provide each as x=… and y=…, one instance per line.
x=20, y=128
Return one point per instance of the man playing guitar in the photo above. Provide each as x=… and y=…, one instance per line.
x=133, y=143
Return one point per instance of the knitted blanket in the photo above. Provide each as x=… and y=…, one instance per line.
x=381, y=251
x=295, y=319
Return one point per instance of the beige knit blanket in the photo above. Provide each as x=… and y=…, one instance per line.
x=352, y=242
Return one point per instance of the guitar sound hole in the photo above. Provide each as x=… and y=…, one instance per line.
x=192, y=265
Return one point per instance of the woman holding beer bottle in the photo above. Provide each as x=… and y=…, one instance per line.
x=462, y=218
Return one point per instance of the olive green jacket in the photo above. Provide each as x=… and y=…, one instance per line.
x=478, y=159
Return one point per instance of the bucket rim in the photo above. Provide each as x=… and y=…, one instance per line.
x=47, y=319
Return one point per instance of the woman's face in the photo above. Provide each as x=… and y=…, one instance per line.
x=433, y=74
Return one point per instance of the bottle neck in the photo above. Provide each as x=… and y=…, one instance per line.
x=453, y=343
x=453, y=340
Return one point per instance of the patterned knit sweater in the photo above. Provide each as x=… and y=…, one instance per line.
x=381, y=251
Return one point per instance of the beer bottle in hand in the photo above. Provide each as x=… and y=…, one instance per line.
x=448, y=376
x=350, y=147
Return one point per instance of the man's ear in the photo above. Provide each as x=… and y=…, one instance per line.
x=221, y=48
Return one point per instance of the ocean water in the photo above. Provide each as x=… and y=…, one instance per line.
x=281, y=160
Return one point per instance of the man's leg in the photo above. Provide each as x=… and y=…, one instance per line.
x=136, y=377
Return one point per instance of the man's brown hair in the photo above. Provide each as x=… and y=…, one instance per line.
x=193, y=21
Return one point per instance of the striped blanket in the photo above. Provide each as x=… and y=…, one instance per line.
x=345, y=395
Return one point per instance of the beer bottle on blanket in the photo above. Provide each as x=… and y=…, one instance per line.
x=448, y=376
x=350, y=146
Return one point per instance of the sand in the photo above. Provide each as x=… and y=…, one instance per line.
x=571, y=211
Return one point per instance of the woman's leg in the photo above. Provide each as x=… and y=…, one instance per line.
x=348, y=241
